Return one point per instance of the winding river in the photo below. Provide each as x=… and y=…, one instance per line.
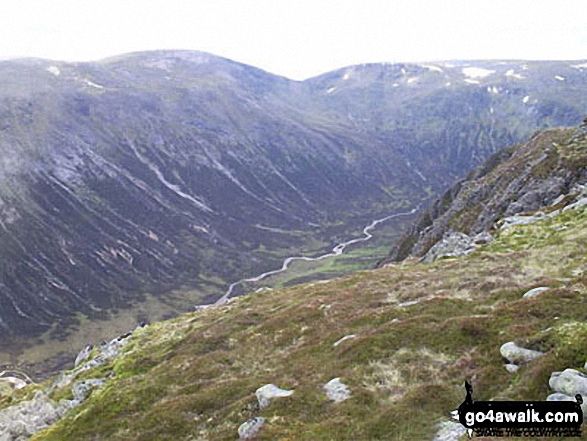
x=336, y=251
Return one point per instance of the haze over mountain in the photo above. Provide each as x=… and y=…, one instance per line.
x=164, y=170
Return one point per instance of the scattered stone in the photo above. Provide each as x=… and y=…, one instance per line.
x=511, y=367
x=336, y=390
x=449, y=431
x=453, y=244
x=569, y=382
x=535, y=291
x=265, y=393
x=517, y=355
x=346, y=337
x=250, y=428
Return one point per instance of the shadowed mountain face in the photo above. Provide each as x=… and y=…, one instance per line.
x=155, y=171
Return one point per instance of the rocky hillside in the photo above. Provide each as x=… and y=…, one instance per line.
x=128, y=178
x=515, y=181
x=379, y=354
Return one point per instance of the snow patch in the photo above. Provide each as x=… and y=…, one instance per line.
x=54, y=70
x=447, y=84
x=477, y=72
x=512, y=73
x=580, y=66
x=412, y=79
x=558, y=77
x=432, y=68
x=492, y=89
x=346, y=76
x=526, y=98
x=332, y=89
x=491, y=110
x=395, y=85
x=468, y=80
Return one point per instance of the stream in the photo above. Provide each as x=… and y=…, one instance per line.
x=336, y=251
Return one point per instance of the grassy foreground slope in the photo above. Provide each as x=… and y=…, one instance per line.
x=420, y=331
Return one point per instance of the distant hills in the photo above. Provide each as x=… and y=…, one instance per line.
x=173, y=170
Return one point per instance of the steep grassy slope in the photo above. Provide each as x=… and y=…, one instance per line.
x=419, y=331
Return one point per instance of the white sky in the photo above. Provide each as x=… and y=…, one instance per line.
x=297, y=38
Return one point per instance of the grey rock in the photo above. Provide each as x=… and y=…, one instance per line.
x=266, y=393
x=24, y=419
x=80, y=389
x=535, y=292
x=449, y=431
x=250, y=428
x=453, y=244
x=83, y=355
x=517, y=355
x=569, y=382
x=482, y=238
x=516, y=219
x=336, y=390
x=511, y=367
x=578, y=204
x=559, y=397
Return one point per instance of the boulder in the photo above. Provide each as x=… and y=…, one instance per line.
x=535, y=291
x=250, y=428
x=569, y=382
x=266, y=393
x=336, y=390
x=517, y=355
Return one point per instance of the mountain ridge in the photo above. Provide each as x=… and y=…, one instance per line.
x=150, y=174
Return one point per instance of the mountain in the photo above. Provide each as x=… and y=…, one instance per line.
x=379, y=354
x=150, y=181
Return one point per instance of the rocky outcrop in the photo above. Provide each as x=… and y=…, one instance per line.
x=452, y=245
x=512, y=184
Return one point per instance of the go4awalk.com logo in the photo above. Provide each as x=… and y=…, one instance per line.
x=520, y=418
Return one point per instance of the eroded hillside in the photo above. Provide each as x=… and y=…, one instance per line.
x=401, y=338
